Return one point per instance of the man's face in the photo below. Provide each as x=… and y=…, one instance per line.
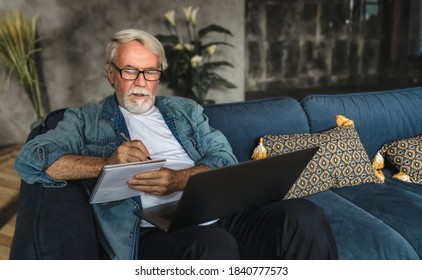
x=137, y=96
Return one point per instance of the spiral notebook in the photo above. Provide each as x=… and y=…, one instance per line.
x=112, y=184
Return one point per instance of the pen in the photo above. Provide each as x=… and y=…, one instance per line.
x=124, y=136
x=127, y=139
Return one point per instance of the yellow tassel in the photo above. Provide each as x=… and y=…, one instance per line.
x=402, y=176
x=379, y=175
x=259, y=152
x=378, y=165
x=378, y=162
x=343, y=121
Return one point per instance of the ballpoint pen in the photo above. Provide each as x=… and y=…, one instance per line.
x=127, y=139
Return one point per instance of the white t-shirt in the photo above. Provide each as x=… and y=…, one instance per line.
x=153, y=131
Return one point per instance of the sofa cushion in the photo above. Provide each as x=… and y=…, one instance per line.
x=405, y=156
x=340, y=161
x=360, y=235
x=396, y=203
x=380, y=117
x=244, y=122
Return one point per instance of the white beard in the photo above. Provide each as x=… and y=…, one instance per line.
x=138, y=106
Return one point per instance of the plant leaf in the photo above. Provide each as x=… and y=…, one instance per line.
x=215, y=64
x=168, y=39
x=216, y=43
x=217, y=80
x=213, y=28
x=18, y=38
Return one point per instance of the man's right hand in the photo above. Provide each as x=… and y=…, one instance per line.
x=77, y=167
x=129, y=151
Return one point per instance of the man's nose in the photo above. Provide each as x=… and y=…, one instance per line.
x=140, y=81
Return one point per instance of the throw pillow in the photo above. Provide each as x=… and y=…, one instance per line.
x=405, y=156
x=340, y=161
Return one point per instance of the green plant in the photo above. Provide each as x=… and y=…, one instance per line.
x=18, y=48
x=191, y=72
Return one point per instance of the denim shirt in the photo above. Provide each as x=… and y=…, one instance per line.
x=93, y=130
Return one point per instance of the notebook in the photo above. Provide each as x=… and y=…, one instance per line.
x=112, y=184
x=225, y=191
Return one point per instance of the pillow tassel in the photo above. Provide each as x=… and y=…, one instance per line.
x=343, y=121
x=402, y=176
x=259, y=152
x=378, y=165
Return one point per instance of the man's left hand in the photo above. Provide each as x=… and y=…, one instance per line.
x=164, y=181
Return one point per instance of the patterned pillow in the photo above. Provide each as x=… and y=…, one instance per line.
x=406, y=156
x=341, y=160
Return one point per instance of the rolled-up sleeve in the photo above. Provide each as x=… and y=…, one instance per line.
x=39, y=153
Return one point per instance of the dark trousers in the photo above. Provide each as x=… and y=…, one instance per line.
x=288, y=229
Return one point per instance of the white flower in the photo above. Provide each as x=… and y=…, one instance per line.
x=190, y=14
x=195, y=60
x=169, y=15
x=187, y=11
x=189, y=47
x=193, y=15
x=211, y=49
x=179, y=47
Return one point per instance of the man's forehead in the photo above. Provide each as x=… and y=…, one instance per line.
x=134, y=51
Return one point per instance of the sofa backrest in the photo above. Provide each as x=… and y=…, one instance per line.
x=380, y=117
x=243, y=123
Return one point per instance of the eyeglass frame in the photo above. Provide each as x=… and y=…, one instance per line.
x=120, y=70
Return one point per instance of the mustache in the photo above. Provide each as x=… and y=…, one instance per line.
x=139, y=91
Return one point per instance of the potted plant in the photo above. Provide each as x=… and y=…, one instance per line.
x=191, y=71
x=18, y=49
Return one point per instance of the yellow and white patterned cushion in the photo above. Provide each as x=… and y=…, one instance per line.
x=340, y=161
x=405, y=155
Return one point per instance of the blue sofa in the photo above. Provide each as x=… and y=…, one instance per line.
x=369, y=221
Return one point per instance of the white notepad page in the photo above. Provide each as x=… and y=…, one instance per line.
x=112, y=182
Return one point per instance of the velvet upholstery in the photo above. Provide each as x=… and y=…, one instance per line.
x=380, y=117
x=244, y=122
x=359, y=234
x=396, y=203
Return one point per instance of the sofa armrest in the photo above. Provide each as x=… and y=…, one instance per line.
x=55, y=223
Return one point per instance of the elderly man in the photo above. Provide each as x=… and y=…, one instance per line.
x=174, y=128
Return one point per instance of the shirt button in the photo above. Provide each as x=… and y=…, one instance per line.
x=130, y=235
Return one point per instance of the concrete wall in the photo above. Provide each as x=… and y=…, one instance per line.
x=302, y=47
x=309, y=43
x=73, y=51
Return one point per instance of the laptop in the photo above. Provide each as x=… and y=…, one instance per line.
x=228, y=190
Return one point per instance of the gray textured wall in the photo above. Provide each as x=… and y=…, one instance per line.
x=308, y=44
x=76, y=32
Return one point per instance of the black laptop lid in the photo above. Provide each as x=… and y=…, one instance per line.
x=228, y=190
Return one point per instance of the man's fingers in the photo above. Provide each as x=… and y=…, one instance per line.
x=139, y=145
x=130, y=151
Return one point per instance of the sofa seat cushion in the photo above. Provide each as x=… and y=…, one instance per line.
x=379, y=117
x=359, y=234
x=244, y=122
x=396, y=203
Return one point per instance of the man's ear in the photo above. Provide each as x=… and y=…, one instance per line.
x=110, y=77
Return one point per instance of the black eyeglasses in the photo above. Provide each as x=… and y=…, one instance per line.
x=133, y=74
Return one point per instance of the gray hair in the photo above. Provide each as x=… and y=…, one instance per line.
x=127, y=35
